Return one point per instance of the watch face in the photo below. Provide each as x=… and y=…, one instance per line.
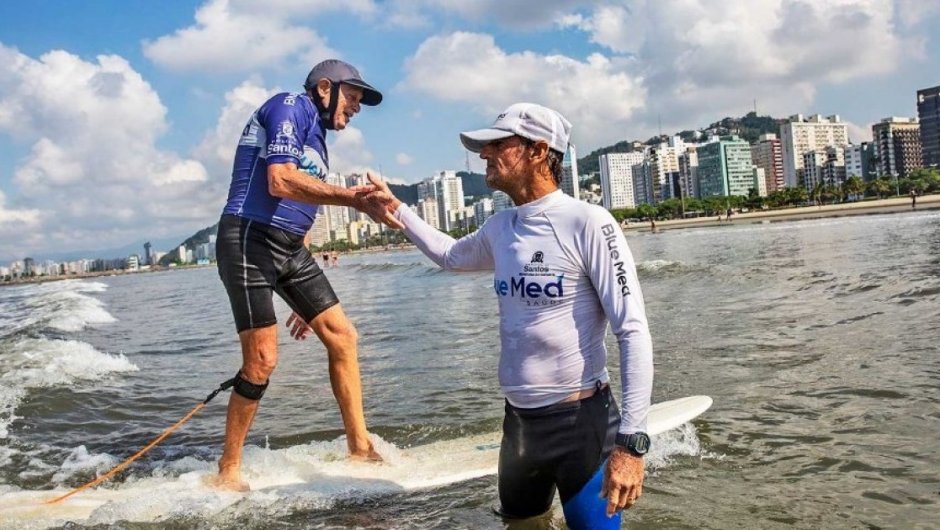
x=641, y=443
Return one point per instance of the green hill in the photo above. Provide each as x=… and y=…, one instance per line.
x=191, y=242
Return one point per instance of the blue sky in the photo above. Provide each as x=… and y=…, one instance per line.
x=118, y=120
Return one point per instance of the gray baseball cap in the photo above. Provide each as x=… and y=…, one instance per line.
x=528, y=120
x=342, y=72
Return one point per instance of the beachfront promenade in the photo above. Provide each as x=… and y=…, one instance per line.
x=892, y=205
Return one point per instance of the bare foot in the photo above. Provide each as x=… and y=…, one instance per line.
x=226, y=481
x=363, y=451
x=370, y=456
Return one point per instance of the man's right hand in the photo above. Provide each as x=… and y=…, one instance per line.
x=380, y=204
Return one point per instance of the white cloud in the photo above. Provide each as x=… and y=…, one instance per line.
x=596, y=94
x=243, y=35
x=348, y=152
x=858, y=133
x=94, y=176
x=671, y=63
x=404, y=159
x=704, y=59
x=515, y=14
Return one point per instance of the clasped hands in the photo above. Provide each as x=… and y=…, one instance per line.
x=377, y=201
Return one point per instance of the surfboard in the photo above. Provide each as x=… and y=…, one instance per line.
x=311, y=473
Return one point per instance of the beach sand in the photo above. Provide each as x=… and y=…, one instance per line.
x=893, y=205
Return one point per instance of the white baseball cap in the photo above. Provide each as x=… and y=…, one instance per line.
x=528, y=120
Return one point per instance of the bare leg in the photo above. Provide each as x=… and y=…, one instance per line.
x=259, y=357
x=339, y=336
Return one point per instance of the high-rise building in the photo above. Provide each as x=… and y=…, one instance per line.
x=501, y=201
x=767, y=154
x=147, y=254
x=427, y=210
x=688, y=172
x=447, y=189
x=725, y=168
x=928, y=110
x=617, y=179
x=832, y=170
x=859, y=160
x=642, y=179
x=569, y=173
x=664, y=172
x=483, y=209
x=320, y=231
x=353, y=180
x=337, y=217
x=799, y=135
x=897, y=146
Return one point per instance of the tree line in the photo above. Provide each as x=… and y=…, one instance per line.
x=920, y=181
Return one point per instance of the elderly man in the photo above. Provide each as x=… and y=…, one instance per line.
x=277, y=184
x=562, y=272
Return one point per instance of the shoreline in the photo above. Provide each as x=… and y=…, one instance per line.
x=872, y=207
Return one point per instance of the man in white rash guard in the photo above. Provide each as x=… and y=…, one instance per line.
x=562, y=272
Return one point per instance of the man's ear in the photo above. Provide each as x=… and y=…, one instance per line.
x=539, y=151
x=323, y=90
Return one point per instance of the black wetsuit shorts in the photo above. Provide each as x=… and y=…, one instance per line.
x=562, y=446
x=256, y=260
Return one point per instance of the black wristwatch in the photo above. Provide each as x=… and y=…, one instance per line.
x=637, y=443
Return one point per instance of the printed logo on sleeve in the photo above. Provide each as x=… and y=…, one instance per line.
x=620, y=273
x=284, y=141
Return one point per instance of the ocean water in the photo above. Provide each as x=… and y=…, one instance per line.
x=816, y=339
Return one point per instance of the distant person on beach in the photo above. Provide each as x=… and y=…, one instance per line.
x=913, y=198
x=334, y=257
x=562, y=272
x=278, y=181
x=326, y=260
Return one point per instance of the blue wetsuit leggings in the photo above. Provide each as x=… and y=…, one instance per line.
x=562, y=446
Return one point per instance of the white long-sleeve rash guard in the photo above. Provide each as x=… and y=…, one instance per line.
x=562, y=270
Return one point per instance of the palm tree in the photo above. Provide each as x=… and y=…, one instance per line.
x=853, y=187
x=881, y=186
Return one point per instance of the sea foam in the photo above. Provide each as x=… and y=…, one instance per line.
x=44, y=363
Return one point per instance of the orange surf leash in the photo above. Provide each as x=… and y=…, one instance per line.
x=224, y=386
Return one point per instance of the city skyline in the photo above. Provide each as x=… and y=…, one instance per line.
x=118, y=121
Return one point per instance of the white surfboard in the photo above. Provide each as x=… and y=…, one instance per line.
x=312, y=473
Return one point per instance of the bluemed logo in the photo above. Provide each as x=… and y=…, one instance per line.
x=527, y=288
x=620, y=272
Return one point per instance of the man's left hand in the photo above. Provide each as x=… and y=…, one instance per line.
x=298, y=328
x=623, y=480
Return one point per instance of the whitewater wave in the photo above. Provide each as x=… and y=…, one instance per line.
x=661, y=266
x=61, y=306
x=316, y=475
x=64, y=306
x=43, y=363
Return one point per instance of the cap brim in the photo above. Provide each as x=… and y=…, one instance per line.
x=370, y=96
x=475, y=140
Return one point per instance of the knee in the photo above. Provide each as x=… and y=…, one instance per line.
x=259, y=366
x=340, y=332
